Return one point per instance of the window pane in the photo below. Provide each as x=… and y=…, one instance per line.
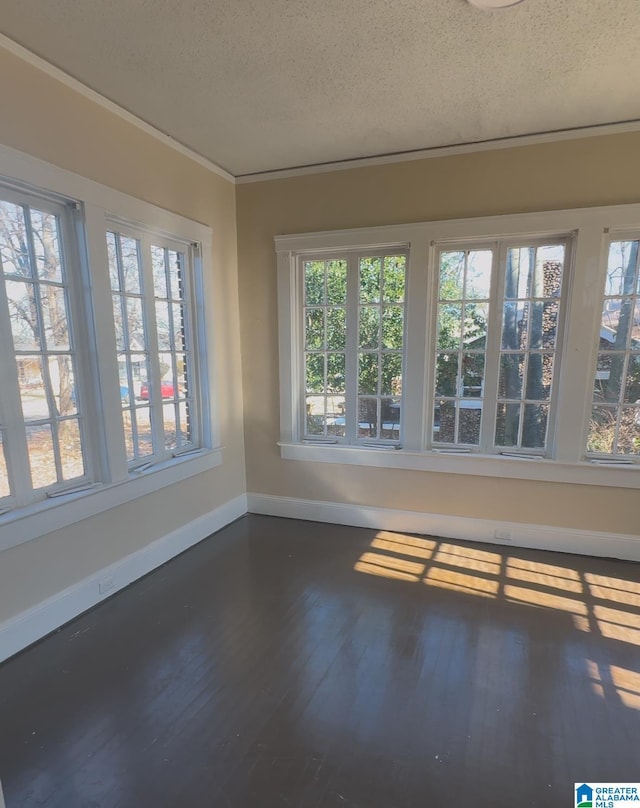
x=507, y=424
x=315, y=417
x=390, y=418
x=162, y=325
x=4, y=472
x=539, y=376
x=445, y=422
x=452, y=265
x=314, y=293
x=23, y=313
x=370, y=277
x=143, y=421
x=629, y=431
x=602, y=430
x=33, y=394
x=135, y=323
x=447, y=374
x=315, y=373
x=112, y=252
x=178, y=326
x=55, y=317
x=169, y=425
x=478, y=280
x=469, y=418
x=449, y=326
x=369, y=335
x=511, y=375
x=336, y=416
x=159, y=272
x=62, y=384
x=336, y=329
x=169, y=383
x=475, y=325
x=534, y=425
x=368, y=418
x=176, y=275
x=623, y=257
x=314, y=327
x=184, y=413
x=514, y=326
x=130, y=265
x=70, y=449
x=394, y=278
x=14, y=252
x=368, y=374
x=336, y=282
x=41, y=456
x=392, y=327
x=336, y=372
x=472, y=374
x=46, y=245
x=118, y=322
x=632, y=382
x=391, y=377
x=128, y=420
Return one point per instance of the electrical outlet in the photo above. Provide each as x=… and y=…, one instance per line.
x=503, y=535
x=106, y=585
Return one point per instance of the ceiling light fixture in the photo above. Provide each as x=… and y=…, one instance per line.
x=491, y=5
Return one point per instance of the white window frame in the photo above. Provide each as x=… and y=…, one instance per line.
x=112, y=482
x=16, y=451
x=500, y=248
x=613, y=236
x=352, y=349
x=146, y=239
x=589, y=229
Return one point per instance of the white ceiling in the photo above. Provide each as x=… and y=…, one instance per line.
x=256, y=85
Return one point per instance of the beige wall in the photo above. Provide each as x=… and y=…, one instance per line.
x=42, y=117
x=592, y=171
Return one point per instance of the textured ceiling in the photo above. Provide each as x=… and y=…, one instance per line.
x=256, y=85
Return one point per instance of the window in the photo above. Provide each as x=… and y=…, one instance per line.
x=149, y=285
x=498, y=325
x=467, y=346
x=353, y=310
x=41, y=419
x=106, y=357
x=614, y=429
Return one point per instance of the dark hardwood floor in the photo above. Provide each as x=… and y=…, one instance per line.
x=288, y=663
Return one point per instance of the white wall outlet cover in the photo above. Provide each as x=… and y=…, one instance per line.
x=491, y=5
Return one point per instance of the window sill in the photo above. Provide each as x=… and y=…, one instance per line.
x=582, y=473
x=22, y=525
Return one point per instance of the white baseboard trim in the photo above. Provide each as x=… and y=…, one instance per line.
x=25, y=628
x=509, y=534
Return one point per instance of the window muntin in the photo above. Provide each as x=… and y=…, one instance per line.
x=353, y=352
x=614, y=428
x=464, y=286
x=174, y=349
x=381, y=291
x=530, y=322
x=325, y=343
x=42, y=424
x=497, y=335
x=150, y=288
x=125, y=271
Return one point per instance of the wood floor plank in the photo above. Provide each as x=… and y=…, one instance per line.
x=286, y=663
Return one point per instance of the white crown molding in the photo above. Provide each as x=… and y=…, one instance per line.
x=64, y=78
x=28, y=626
x=514, y=141
x=444, y=151
x=463, y=528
